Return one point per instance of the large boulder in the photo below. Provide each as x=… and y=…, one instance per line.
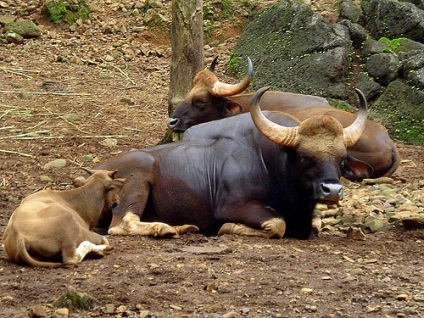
x=393, y=19
x=401, y=110
x=294, y=49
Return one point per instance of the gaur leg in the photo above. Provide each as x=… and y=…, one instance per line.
x=252, y=219
x=131, y=225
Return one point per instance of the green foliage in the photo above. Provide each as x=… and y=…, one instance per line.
x=393, y=46
x=75, y=301
x=340, y=104
x=67, y=11
x=409, y=130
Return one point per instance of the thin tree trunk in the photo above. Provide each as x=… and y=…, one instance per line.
x=187, y=48
x=187, y=53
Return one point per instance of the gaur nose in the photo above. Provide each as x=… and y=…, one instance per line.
x=332, y=191
x=172, y=122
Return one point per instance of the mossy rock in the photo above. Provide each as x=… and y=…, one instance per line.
x=66, y=11
x=401, y=110
x=26, y=29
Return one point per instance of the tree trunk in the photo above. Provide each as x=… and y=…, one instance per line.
x=187, y=53
x=187, y=48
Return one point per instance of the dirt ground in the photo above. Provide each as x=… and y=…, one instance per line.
x=75, y=110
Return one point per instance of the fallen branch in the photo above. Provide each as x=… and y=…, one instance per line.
x=18, y=71
x=124, y=74
x=47, y=93
x=67, y=121
x=17, y=153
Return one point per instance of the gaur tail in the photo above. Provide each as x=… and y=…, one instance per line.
x=24, y=256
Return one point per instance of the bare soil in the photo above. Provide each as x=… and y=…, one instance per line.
x=65, y=110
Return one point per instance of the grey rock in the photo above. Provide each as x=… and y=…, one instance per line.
x=371, y=47
x=394, y=19
x=295, y=49
x=349, y=10
x=12, y=37
x=358, y=34
x=368, y=86
x=383, y=67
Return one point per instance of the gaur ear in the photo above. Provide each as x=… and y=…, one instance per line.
x=356, y=169
x=79, y=182
x=232, y=108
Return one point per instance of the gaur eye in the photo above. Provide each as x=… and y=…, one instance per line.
x=305, y=161
x=199, y=104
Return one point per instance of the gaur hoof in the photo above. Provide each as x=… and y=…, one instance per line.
x=186, y=229
x=227, y=228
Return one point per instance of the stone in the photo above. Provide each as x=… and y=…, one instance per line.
x=37, y=311
x=355, y=234
x=58, y=163
x=374, y=223
x=7, y=18
x=383, y=67
x=12, y=37
x=350, y=10
x=394, y=19
x=62, y=311
x=26, y=29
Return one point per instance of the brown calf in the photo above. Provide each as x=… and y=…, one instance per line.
x=51, y=223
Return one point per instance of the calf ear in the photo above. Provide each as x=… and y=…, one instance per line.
x=356, y=169
x=232, y=108
x=79, y=182
x=115, y=184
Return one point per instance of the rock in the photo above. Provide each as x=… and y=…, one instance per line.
x=62, y=311
x=109, y=309
x=383, y=75
x=355, y=234
x=26, y=29
x=404, y=104
x=374, y=223
x=349, y=10
x=109, y=142
x=8, y=18
x=368, y=86
x=413, y=223
x=46, y=179
x=12, y=37
x=295, y=50
x=378, y=180
x=394, y=19
x=37, y=311
x=58, y=163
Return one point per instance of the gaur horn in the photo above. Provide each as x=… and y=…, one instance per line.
x=213, y=64
x=284, y=136
x=354, y=131
x=223, y=89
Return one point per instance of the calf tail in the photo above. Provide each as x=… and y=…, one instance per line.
x=22, y=255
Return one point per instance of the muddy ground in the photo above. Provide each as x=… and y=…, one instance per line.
x=62, y=97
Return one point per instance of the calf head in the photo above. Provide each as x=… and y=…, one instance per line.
x=319, y=147
x=111, y=185
x=207, y=100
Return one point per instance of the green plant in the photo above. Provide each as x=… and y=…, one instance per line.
x=392, y=46
x=66, y=11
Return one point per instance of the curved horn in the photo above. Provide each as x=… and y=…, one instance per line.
x=213, y=64
x=284, y=136
x=90, y=172
x=354, y=131
x=223, y=89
